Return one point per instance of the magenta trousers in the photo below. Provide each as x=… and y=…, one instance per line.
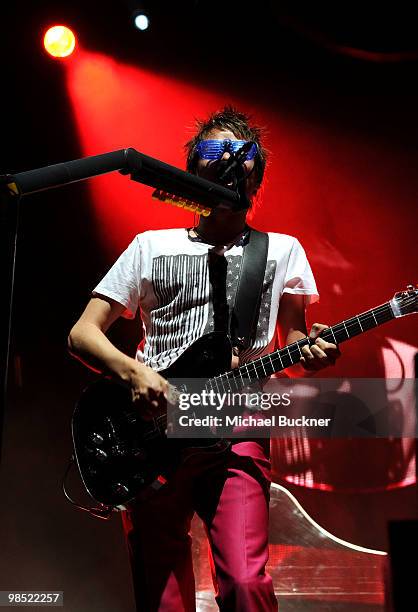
x=230, y=493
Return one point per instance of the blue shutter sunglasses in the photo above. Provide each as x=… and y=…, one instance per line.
x=214, y=149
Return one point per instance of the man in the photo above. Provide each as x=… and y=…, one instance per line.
x=170, y=275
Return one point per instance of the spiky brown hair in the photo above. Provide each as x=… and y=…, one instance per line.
x=229, y=118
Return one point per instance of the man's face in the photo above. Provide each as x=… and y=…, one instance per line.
x=208, y=168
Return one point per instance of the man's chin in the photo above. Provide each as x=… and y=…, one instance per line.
x=224, y=209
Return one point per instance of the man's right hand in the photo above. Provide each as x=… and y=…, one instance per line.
x=149, y=391
x=88, y=343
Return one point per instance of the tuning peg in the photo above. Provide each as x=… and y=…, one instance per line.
x=410, y=287
x=120, y=488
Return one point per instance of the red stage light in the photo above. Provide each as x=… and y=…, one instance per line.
x=59, y=41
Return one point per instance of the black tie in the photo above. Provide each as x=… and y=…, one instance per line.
x=217, y=277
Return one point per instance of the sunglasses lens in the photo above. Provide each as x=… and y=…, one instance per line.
x=214, y=149
x=237, y=144
x=210, y=149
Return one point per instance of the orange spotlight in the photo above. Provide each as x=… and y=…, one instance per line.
x=59, y=41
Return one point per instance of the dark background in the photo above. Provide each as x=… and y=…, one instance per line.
x=349, y=71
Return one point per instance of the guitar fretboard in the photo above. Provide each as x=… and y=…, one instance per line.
x=281, y=359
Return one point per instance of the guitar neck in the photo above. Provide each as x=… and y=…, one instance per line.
x=289, y=355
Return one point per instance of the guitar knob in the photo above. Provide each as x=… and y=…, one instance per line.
x=410, y=287
x=120, y=489
x=98, y=453
x=96, y=438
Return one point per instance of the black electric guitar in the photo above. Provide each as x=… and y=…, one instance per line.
x=121, y=456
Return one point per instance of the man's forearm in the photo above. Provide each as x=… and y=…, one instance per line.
x=91, y=346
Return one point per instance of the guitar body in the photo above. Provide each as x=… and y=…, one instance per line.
x=121, y=456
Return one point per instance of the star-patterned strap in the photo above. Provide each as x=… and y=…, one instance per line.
x=247, y=302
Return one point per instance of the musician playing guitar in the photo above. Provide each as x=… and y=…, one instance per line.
x=184, y=282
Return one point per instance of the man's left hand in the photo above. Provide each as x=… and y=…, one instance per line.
x=322, y=353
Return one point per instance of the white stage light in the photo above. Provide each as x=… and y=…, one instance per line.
x=141, y=22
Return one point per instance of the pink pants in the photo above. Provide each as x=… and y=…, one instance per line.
x=230, y=493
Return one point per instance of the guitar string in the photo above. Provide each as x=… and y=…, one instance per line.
x=351, y=323
x=294, y=347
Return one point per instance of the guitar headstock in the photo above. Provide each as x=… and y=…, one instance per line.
x=405, y=302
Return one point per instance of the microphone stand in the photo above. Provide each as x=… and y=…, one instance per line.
x=140, y=167
x=9, y=221
x=234, y=166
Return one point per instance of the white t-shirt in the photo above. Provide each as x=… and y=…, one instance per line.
x=165, y=273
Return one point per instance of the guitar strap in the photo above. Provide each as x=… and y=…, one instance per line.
x=244, y=315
